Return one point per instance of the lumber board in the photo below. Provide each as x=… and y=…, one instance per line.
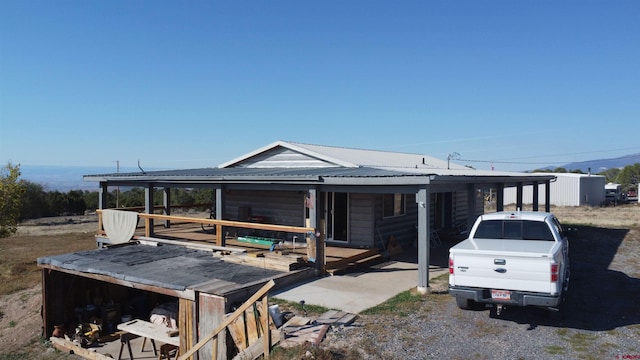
x=337, y=318
x=236, y=329
x=252, y=325
x=256, y=349
x=70, y=347
x=312, y=333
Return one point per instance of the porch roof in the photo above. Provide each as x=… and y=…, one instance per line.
x=333, y=175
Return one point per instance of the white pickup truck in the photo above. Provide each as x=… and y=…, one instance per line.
x=511, y=259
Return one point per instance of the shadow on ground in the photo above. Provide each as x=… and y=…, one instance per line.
x=599, y=298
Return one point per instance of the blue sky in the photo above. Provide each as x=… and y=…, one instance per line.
x=187, y=84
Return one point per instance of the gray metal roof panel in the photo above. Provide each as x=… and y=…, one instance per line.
x=351, y=157
x=167, y=266
x=257, y=172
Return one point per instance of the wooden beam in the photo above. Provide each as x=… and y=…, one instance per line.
x=184, y=294
x=72, y=348
x=262, y=292
x=242, y=224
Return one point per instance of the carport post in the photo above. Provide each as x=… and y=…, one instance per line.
x=219, y=208
x=102, y=196
x=148, y=208
x=499, y=196
x=519, y=201
x=547, y=196
x=422, y=200
x=535, y=195
x=166, y=205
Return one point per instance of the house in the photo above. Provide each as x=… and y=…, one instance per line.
x=335, y=197
x=353, y=197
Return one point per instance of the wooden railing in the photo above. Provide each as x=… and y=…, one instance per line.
x=261, y=295
x=217, y=223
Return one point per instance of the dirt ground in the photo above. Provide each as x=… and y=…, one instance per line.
x=20, y=321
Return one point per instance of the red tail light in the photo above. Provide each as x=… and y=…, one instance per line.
x=450, y=266
x=554, y=272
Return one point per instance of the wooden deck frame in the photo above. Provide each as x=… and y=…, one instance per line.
x=186, y=230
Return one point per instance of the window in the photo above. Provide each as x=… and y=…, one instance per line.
x=514, y=229
x=393, y=205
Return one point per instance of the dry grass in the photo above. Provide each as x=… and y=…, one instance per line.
x=18, y=254
x=20, y=278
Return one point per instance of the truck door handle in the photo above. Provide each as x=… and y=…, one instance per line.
x=499, y=261
x=500, y=270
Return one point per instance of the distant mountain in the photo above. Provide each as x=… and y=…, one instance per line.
x=597, y=166
x=66, y=178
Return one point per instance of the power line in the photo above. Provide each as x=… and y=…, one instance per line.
x=547, y=162
x=512, y=162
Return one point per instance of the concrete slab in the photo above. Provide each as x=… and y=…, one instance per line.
x=356, y=292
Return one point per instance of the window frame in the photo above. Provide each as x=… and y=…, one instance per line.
x=398, y=205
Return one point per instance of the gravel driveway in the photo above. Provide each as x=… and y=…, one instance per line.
x=602, y=320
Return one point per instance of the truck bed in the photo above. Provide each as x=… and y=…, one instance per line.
x=504, y=264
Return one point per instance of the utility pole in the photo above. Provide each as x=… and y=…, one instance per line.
x=117, y=187
x=453, y=155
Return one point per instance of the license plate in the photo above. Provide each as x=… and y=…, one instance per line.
x=500, y=295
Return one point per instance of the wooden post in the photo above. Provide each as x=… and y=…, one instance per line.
x=265, y=325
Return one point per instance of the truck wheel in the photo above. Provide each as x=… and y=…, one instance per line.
x=465, y=304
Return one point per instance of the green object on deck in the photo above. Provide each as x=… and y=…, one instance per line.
x=258, y=240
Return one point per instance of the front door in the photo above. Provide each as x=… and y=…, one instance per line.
x=337, y=216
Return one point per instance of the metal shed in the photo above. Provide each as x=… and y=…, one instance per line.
x=569, y=189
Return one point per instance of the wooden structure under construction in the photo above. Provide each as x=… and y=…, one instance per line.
x=181, y=264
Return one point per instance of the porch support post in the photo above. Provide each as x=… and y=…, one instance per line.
x=536, y=197
x=500, y=197
x=312, y=205
x=166, y=205
x=547, y=196
x=102, y=196
x=219, y=208
x=148, y=208
x=422, y=200
x=519, y=196
x=471, y=204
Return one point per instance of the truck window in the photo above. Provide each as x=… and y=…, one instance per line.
x=514, y=230
x=489, y=229
x=535, y=230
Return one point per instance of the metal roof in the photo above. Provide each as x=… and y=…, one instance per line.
x=348, y=166
x=149, y=265
x=350, y=157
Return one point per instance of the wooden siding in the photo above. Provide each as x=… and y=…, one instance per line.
x=361, y=212
x=277, y=207
x=283, y=158
x=403, y=228
x=211, y=310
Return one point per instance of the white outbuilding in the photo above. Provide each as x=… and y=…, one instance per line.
x=569, y=189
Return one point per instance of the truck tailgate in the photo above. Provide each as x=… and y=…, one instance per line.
x=499, y=264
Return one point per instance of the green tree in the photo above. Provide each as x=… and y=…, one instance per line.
x=133, y=197
x=91, y=200
x=34, y=204
x=611, y=175
x=11, y=190
x=629, y=177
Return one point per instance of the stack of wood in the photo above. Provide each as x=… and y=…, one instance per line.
x=300, y=330
x=269, y=260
